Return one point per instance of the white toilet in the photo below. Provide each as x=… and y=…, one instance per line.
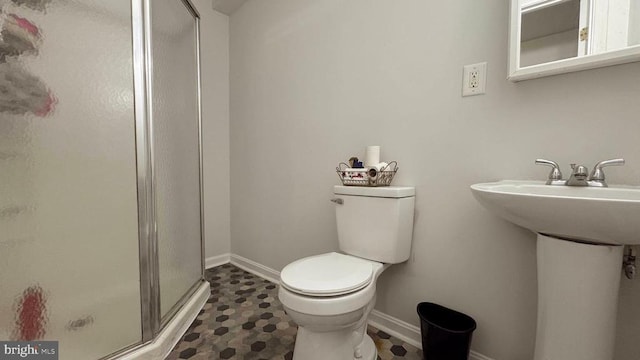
x=331, y=295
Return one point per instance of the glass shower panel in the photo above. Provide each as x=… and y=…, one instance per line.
x=69, y=266
x=175, y=135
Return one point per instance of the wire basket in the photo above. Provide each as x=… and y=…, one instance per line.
x=366, y=176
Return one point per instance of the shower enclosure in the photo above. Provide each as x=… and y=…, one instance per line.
x=101, y=236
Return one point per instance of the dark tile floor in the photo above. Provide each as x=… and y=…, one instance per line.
x=243, y=320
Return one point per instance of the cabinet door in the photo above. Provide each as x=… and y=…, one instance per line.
x=550, y=31
x=610, y=25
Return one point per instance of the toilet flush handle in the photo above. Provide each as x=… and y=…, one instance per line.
x=338, y=201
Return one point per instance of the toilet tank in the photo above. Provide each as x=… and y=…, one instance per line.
x=375, y=223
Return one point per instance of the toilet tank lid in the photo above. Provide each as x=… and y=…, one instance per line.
x=380, y=191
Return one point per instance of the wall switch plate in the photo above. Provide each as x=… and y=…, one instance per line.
x=474, y=79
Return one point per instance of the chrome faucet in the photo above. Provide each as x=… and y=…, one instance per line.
x=578, y=176
x=597, y=175
x=555, y=176
x=579, y=173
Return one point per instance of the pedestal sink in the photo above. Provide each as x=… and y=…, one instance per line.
x=581, y=233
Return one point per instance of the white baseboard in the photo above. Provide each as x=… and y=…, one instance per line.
x=174, y=330
x=256, y=268
x=396, y=328
x=405, y=331
x=387, y=323
x=214, y=261
x=476, y=356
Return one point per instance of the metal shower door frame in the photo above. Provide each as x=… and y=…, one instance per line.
x=152, y=321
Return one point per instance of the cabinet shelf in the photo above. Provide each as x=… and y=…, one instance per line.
x=529, y=6
x=549, y=20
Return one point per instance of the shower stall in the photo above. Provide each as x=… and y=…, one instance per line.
x=101, y=230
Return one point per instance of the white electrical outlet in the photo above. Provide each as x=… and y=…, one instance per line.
x=474, y=79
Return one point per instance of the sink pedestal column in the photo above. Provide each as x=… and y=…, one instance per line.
x=577, y=299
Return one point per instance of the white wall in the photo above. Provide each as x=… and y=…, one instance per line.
x=634, y=23
x=315, y=81
x=214, y=57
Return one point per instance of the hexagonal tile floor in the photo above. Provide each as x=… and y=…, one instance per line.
x=243, y=320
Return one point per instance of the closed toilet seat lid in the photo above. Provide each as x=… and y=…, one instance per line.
x=329, y=274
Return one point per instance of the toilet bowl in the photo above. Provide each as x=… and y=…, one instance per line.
x=330, y=297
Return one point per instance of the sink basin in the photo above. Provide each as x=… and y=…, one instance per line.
x=581, y=231
x=589, y=214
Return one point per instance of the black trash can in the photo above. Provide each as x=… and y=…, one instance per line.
x=446, y=333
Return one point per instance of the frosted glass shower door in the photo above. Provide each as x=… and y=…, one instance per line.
x=69, y=267
x=176, y=148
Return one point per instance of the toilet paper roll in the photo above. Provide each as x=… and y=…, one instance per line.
x=374, y=171
x=372, y=156
x=373, y=174
x=383, y=166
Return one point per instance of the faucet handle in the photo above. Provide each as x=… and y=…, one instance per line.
x=597, y=173
x=555, y=174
